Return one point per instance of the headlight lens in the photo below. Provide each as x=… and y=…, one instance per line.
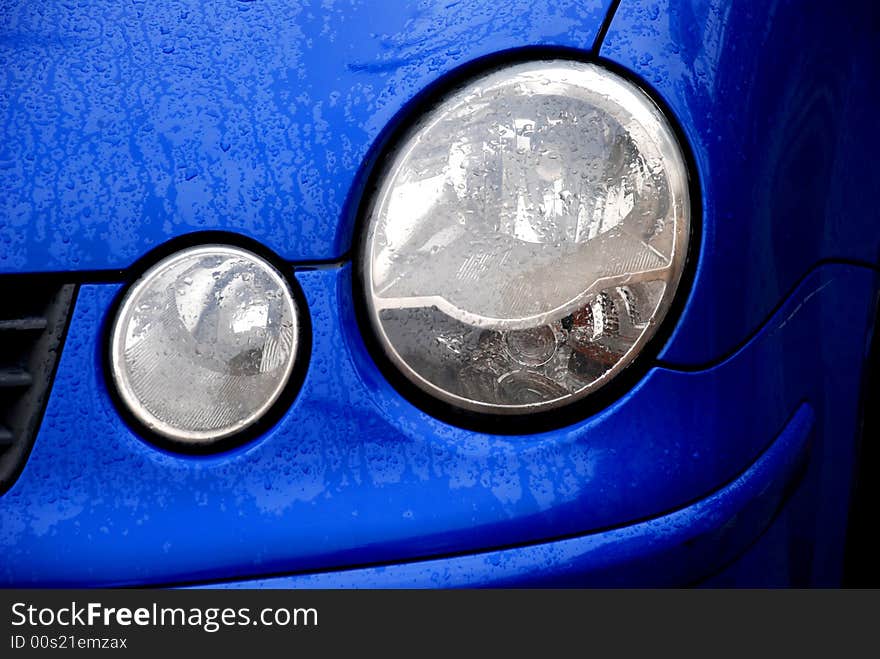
x=527, y=237
x=204, y=343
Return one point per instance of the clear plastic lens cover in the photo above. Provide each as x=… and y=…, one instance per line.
x=527, y=237
x=204, y=343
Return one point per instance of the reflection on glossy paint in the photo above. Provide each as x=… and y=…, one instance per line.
x=771, y=99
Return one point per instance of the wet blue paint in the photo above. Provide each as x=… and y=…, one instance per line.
x=125, y=124
x=680, y=548
x=777, y=101
x=353, y=473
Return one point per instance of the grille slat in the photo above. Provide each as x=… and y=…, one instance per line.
x=23, y=324
x=33, y=317
x=14, y=378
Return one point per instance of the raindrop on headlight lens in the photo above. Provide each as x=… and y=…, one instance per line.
x=527, y=237
x=204, y=343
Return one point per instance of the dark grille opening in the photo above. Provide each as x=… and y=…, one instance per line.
x=33, y=318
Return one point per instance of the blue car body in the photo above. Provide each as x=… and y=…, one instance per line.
x=134, y=127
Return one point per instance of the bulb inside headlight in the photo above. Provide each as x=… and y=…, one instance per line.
x=204, y=343
x=527, y=237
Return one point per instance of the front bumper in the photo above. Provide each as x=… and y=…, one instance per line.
x=354, y=475
x=683, y=547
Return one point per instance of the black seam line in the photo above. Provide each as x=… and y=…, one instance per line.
x=606, y=25
x=704, y=366
x=802, y=404
x=323, y=264
x=129, y=274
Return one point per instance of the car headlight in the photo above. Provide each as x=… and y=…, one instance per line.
x=204, y=343
x=526, y=237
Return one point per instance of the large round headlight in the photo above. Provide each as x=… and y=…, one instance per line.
x=527, y=237
x=204, y=343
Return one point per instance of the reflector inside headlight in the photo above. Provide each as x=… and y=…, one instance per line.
x=527, y=237
x=204, y=343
